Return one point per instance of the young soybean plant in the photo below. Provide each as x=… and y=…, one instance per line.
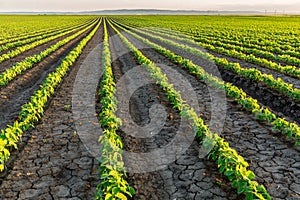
x=289, y=129
x=229, y=162
x=112, y=170
x=32, y=112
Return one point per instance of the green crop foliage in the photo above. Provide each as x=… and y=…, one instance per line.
x=253, y=74
x=112, y=170
x=234, y=92
x=30, y=61
x=32, y=111
x=229, y=162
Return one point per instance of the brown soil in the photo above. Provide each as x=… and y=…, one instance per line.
x=36, y=50
x=273, y=160
x=52, y=162
x=188, y=177
x=19, y=90
x=282, y=105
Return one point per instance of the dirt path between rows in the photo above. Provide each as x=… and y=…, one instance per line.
x=276, y=163
x=36, y=50
x=187, y=177
x=54, y=163
x=283, y=106
x=19, y=90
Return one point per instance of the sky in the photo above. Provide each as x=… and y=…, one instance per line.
x=90, y=5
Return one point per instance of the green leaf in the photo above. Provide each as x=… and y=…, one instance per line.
x=115, y=190
x=250, y=175
x=132, y=191
x=121, y=196
x=108, y=196
x=240, y=190
x=229, y=173
x=235, y=184
x=222, y=168
x=2, y=166
x=249, y=196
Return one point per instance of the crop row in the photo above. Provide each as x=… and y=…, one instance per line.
x=290, y=57
x=288, y=69
x=291, y=130
x=32, y=111
x=271, y=49
x=282, y=43
x=15, y=26
x=253, y=74
x=264, y=37
x=274, y=53
x=265, y=54
x=248, y=55
x=29, y=62
x=42, y=32
x=259, y=31
x=229, y=162
x=112, y=184
x=39, y=37
x=21, y=49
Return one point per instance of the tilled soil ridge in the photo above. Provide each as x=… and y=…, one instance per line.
x=54, y=164
x=275, y=162
x=188, y=177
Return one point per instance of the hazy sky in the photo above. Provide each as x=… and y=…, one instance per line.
x=80, y=5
